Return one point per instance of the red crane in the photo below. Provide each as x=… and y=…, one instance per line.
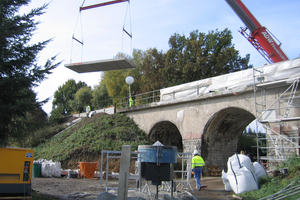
x=259, y=36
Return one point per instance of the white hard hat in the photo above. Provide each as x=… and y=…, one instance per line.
x=195, y=152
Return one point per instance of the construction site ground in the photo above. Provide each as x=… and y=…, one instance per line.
x=83, y=188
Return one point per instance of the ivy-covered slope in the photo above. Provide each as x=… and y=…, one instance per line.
x=85, y=140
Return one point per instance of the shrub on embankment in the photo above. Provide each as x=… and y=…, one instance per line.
x=90, y=136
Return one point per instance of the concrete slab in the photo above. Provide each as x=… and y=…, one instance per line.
x=101, y=65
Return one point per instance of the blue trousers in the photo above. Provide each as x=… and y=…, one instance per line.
x=197, y=175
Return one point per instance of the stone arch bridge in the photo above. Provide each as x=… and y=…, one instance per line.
x=210, y=115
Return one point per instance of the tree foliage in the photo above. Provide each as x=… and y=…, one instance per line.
x=152, y=70
x=19, y=71
x=24, y=127
x=83, y=96
x=101, y=98
x=201, y=56
x=192, y=58
x=62, y=97
x=115, y=83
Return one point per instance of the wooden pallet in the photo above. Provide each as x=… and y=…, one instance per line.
x=214, y=171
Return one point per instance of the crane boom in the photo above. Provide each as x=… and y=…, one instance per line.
x=259, y=36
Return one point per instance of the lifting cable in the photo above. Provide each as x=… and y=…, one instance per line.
x=99, y=5
x=124, y=30
x=74, y=38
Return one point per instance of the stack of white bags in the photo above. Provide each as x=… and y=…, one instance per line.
x=242, y=175
x=50, y=168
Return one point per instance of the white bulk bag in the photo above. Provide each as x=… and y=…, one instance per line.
x=243, y=180
x=238, y=161
x=51, y=169
x=260, y=171
x=226, y=181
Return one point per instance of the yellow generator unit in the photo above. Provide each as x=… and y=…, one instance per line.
x=15, y=171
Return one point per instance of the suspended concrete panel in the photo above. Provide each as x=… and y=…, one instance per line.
x=101, y=65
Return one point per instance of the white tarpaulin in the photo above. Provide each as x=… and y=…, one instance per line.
x=234, y=82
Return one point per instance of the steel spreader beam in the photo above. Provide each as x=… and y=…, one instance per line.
x=101, y=4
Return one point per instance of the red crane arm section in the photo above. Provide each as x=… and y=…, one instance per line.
x=101, y=4
x=259, y=37
x=274, y=51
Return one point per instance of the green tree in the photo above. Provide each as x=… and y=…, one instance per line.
x=152, y=70
x=83, y=96
x=201, y=56
x=63, y=96
x=56, y=115
x=75, y=105
x=115, y=83
x=19, y=71
x=192, y=58
x=25, y=126
x=101, y=98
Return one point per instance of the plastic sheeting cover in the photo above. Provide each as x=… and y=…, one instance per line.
x=233, y=82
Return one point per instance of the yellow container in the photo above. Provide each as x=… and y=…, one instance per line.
x=15, y=171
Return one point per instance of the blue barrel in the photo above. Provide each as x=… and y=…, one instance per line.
x=158, y=154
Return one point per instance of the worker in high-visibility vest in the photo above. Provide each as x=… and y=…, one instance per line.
x=197, y=165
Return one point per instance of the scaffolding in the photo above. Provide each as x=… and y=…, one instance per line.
x=185, y=172
x=279, y=116
x=117, y=154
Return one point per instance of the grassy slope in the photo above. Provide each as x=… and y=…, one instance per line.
x=89, y=137
x=272, y=185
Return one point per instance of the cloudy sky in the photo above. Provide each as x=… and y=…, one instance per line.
x=151, y=22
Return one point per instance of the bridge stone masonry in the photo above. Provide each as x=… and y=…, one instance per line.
x=210, y=115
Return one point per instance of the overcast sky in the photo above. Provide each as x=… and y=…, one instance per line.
x=152, y=23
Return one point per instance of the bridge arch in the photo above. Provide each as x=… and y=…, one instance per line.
x=167, y=133
x=221, y=135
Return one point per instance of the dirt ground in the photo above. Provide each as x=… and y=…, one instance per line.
x=75, y=188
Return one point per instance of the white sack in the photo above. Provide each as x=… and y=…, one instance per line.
x=51, y=169
x=243, y=180
x=260, y=171
x=232, y=182
x=238, y=161
x=226, y=181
